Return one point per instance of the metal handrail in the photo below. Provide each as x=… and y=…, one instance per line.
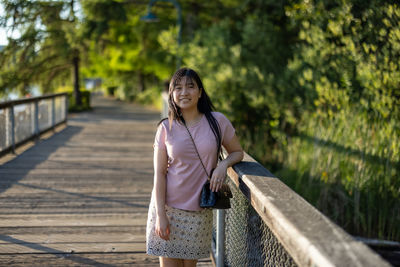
x=10, y=103
x=11, y=127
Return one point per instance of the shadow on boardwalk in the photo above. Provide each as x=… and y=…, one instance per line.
x=30, y=160
x=80, y=197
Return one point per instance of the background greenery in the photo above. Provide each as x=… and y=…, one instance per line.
x=312, y=86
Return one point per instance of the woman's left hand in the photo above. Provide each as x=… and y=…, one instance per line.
x=218, y=177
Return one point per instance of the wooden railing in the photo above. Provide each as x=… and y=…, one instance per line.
x=299, y=233
x=25, y=119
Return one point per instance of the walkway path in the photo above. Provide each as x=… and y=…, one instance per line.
x=80, y=197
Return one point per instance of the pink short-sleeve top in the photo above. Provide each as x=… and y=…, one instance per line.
x=186, y=176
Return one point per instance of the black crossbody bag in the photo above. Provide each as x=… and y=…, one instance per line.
x=208, y=198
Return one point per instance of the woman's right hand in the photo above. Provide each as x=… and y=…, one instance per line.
x=162, y=227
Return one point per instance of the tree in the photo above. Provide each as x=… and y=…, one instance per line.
x=126, y=52
x=48, y=49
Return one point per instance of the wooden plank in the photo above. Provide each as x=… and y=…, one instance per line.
x=71, y=173
x=73, y=219
x=84, y=183
x=79, y=159
x=32, y=188
x=19, y=247
x=63, y=164
x=54, y=238
x=82, y=259
x=70, y=230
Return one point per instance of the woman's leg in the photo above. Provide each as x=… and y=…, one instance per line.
x=170, y=262
x=189, y=263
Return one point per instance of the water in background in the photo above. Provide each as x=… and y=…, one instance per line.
x=34, y=91
x=11, y=96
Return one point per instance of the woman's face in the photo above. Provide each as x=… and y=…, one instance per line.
x=186, y=94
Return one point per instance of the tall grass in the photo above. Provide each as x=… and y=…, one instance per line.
x=348, y=166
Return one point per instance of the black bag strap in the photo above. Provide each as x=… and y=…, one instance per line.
x=197, y=152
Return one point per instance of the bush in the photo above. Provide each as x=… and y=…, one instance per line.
x=72, y=107
x=151, y=97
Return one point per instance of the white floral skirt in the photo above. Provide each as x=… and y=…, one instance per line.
x=190, y=234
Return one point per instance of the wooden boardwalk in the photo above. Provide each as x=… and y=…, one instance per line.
x=80, y=197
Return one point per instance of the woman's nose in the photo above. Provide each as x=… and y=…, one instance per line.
x=184, y=90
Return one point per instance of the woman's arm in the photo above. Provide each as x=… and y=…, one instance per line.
x=235, y=155
x=160, y=170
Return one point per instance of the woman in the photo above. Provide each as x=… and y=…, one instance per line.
x=178, y=230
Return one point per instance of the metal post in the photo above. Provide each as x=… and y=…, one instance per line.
x=220, y=232
x=36, y=118
x=7, y=127
x=53, y=112
x=12, y=120
x=65, y=107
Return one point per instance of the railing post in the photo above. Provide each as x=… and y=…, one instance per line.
x=12, y=121
x=65, y=107
x=220, y=233
x=53, y=112
x=36, y=119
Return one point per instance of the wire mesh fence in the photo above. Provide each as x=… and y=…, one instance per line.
x=20, y=120
x=248, y=240
x=23, y=122
x=4, y=128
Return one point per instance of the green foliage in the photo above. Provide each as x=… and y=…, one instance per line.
x=48, y=50
x=349, y=58
x=348, y=167
x=150, y=97
x=345, y=158
x=313, y=90
x=73, y=107
x=125, y=51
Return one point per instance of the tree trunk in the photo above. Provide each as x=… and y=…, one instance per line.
x=77, y=92
x=142, y=85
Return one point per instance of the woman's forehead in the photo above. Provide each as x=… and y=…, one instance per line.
x=185, y=80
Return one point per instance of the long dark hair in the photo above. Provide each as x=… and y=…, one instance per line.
x=204, y=104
